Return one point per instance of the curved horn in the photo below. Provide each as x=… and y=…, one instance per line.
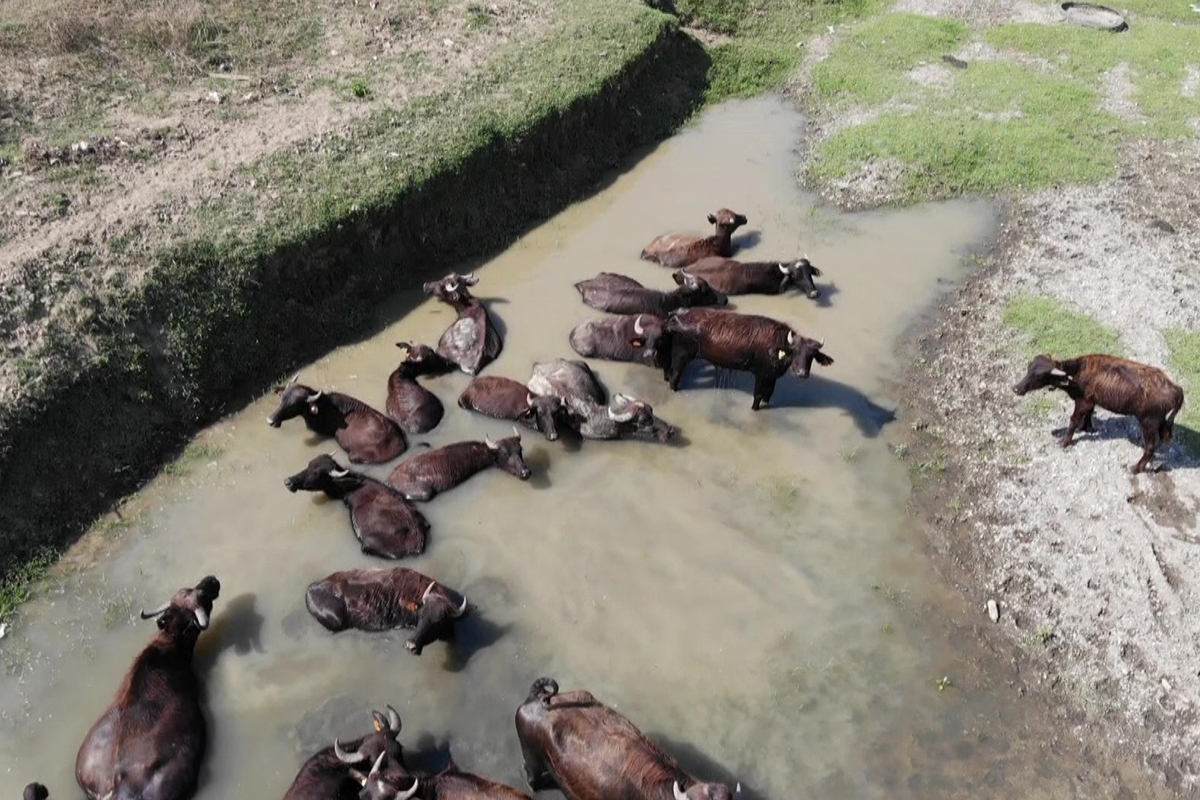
x=516, y=433
x=458, y=612
x=637, y=325
x=410, y=792
x=679, y=794
x=428, y=589
x=791, y=338
x=404, y=345
x=292, y=380
x=393, y=719
x=312, y=398
x=821, y=342
x=338, y=473
x=737, y=793
x=783, y=268
x=529, y=399
x=378, y=763
x=487, y=440
x=347, y=758
x=158, y=612
x=202, y=618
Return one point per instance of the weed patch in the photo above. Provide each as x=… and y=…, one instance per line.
x=1184, y=349
x=1051, y=327
x=16, y=587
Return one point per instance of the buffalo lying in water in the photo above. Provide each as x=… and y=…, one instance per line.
x=471, y=341
x=681, y=249
x=415, y=408
x=384, y=522
x=328, y=774
x=386, y=599
x=367, y=436
x=623, y=295
x=757, y=277
x=426, y=476
x=151, y=740
x=591, y=752
x=640, y=338
x=504, y=398
x=624, y=417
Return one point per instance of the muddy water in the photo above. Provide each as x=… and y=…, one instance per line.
x=756, y=597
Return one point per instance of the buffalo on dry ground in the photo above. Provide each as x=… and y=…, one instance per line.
x=385, y=523
x=471, y=341
x=386, y=599
x=504, y=398
x=327, y=774
x=591, y=752
x=151, y=740
x=627, y=296
x=1114, y=384
x=367, y=436
x=415, y=408
x=426, y=476
x=757, y=277
x=681, y=249
x=639, y=338
x=624, y=417
x=764, y=347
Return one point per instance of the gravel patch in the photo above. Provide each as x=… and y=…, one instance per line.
x=869, y=187
x=933, y=76
x=1117, y=88
x=982, y=51
x=984, y=12
x=1191, y=82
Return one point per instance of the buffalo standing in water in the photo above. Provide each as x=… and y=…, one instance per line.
x=680, y=249
x=590, y=752
x=328, y=774
x=150, y=741
x=415, y=408
x=426, y=476
x=367, y=436
x=384, y=522
x=471, y=341
x=386, y=599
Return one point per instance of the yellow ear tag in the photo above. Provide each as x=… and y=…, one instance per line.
x=378, y=725
x=783, y=355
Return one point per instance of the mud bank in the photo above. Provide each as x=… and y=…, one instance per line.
x=213, y=327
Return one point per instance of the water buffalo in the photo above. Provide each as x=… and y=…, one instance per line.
x=757, y=277
x=367, y=436
x=385, y=523
x=471, y=341
x=1114, y=384
x=387, y=780
x=639, y=338
x=624, y=417
x=150, y=741
x=426, y=476
x=327, y=775
x=630, y=297
x=680, y=249
x=591, y=752
x=450, y=784
x=386, y=599
x=414, y=407
x=504, y=398
x=761, y=346
x=35, y=791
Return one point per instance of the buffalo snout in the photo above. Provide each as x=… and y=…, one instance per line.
x=291, y=484
x=274, y=423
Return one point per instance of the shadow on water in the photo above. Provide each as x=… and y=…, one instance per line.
x=428, y=755
x=828, y=290
x=702, y=767
x=473, y=633
x=539, y=461
x=237, y=628
x=746, y=240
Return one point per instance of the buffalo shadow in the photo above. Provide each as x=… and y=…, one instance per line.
x=794, y=392
x=538, y=460
x=237, y=627
x=428, y=755
x=1112, y=427
x=473, y=633
x=702, y=767
x=828, y=290
x=745, y=240
x=489, y=304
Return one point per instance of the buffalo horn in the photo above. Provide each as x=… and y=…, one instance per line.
x=428, y=589
x=1057, y=373
x=378, y=763
x=404, y=345
x=393, y=719
x=737, y=793
x=292, y=380
x=338, y=473
x=529, y=399
x=516, y=433
x=679, y=794
x=783, y=268
x=158, y=612
x=791, y=337
x=469, y=279
x=488, y=441
x=202, y=619
x=347, y=758
x=409, y=793
x=637, y=325
x=315, y=397
x=458, y=612
x=821, y=342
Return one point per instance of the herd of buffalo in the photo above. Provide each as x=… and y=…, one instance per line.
x=150, y=741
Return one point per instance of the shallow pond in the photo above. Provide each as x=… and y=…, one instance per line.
x=756, y=597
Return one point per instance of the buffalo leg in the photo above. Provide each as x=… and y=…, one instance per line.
x=1088, y=427
x=535, y=771
x=1149, y=444
x=1083, y=410
x=764, y=387
x=682, y=354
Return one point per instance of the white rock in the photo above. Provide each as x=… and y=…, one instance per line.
x=993, y=610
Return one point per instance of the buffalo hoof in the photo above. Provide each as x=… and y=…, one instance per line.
x=411, y=647
x=813, y=295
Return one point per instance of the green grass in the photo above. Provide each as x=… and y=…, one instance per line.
x=16, y=588
x=1049, y=326
x=1157, y=51
x=1184, y=353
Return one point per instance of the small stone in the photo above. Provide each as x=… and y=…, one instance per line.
x=957, y=63
x=214, y=98
x=1162, y=225
x=3, y=629
x=993, y=609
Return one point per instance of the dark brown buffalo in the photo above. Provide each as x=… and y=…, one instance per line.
x=627, y=296
x=761, y=346
x=681, y=249
x=426, y=476
x=150, y=741
x=471, y=341
x=386, y=599
x=757, y=277
x=450, y=784
x=385, y=523
x=35, y=791
x=623, y=418
x=504, y=398
x=414, y=407
x=327, y=775
x=590, y=752
x=1114, y=384
x=367, y=436
x=639, y=338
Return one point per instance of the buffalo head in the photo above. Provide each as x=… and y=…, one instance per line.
x=1043, y=372
x=188, y=611
x=386, y=782
x=421, y=359
x=381, y=742
x=803, y=353
x=707, y=791
x=801, y=274
x=323, y=474
x=295, y=400
x=35, y=791
x=695, y=291
x=727, y=221
x=546, y=412
x=648, y=338
x=452, y=288
x=507, y=455
x=639, y=418
x=435, y=620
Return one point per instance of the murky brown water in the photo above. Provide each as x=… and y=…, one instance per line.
x=757, y=599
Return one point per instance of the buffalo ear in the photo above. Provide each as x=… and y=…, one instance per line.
x=822, y=359
x=712, y=218
x=815, y=271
